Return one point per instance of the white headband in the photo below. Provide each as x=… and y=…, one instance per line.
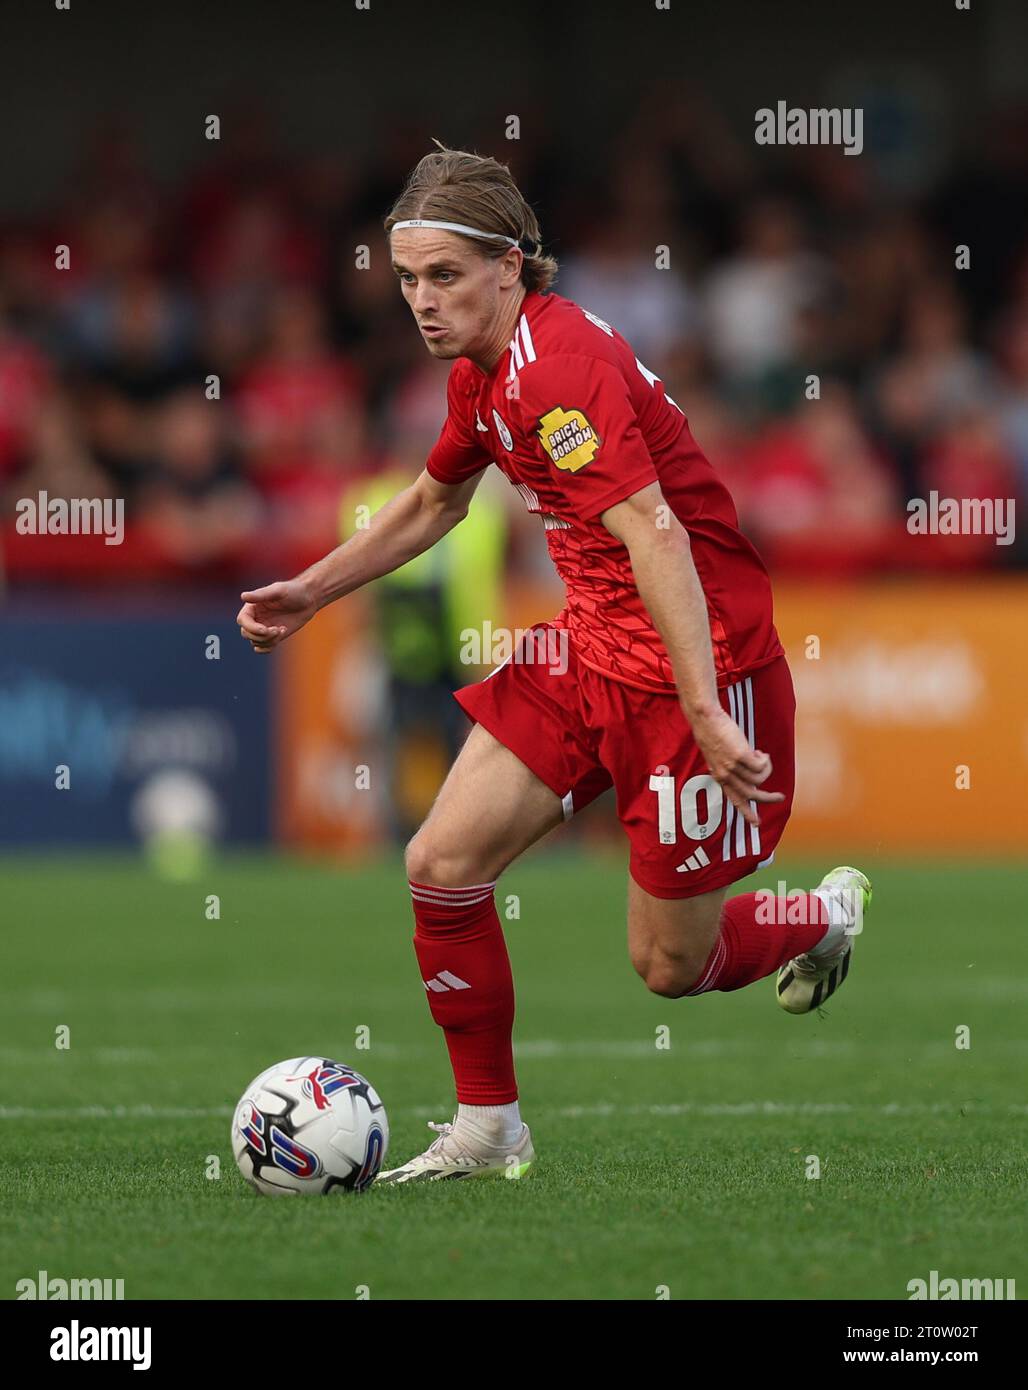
x=453, y=227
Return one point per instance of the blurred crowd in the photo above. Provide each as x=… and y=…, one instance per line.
x=781, y=266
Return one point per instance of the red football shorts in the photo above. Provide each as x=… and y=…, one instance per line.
x=581, y=732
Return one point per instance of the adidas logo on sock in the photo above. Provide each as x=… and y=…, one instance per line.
x=445, y=979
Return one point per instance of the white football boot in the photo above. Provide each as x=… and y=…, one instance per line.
x=457, y=1154
x=808, y=980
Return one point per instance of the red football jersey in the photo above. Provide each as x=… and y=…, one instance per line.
x=577, y=423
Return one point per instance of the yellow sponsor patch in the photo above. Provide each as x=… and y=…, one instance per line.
x=568, y=438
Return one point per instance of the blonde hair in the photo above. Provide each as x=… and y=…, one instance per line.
x=456, y=186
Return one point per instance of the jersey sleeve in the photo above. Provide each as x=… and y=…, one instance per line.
x=580, y=412
x=457, y=455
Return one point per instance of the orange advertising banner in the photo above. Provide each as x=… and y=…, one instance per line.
x=329, y=693
x=912, y=716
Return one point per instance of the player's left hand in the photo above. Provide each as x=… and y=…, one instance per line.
x=738, y=768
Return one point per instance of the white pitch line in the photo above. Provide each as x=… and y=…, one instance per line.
x=774, y=1107
x=571, y=1112
x=543, y=1049
x=112, y=1112
x=761, y=1107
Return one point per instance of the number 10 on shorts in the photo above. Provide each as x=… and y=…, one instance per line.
x=701, y=804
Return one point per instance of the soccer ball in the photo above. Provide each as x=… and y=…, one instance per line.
x=309, y=1125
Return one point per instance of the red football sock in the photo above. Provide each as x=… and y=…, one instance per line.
x=463, y=957
x=750, y=946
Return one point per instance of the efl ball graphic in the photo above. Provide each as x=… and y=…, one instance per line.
x=309, y=1125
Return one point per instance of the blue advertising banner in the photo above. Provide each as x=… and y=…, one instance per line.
x=121, y=730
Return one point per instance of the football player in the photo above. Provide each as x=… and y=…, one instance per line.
x=663, y=677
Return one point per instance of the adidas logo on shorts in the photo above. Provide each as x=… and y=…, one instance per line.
x=699, y=860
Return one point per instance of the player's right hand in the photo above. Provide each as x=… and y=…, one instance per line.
x=270, y=615
x=739, y=768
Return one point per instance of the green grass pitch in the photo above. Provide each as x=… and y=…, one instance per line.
x=681, y=1169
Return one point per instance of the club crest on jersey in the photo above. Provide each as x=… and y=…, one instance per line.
x=568, y=438
x=506, y=438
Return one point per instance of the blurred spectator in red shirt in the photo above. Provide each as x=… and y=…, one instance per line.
x=816, y=494
x=25, y=378
x=969, y=458
x=301, y=418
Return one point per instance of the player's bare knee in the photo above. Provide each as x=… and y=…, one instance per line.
x=431, y=859
x=640, y=964
x=671, y=979
x=665, y=983
x=422, y=859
